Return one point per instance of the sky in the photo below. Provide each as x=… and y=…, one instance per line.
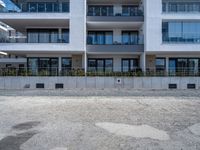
x=10, y=5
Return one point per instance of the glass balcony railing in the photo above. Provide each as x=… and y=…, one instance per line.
x=115, y=40
x=37, y=7
x=24, y=39
x=127, y=11
x=181, y=7
x=182, y=38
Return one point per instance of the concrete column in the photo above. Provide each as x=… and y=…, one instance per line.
x=59, y=64
x=117, y=36
x=117, y=9
x=143, y=62
x=85, y=62
x=167, y=65
x=60, y=33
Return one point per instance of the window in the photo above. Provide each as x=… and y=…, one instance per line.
x=65, y=36
x=32, y=7
x=129, y=64
x=160, y=64
x=130, y=10
x=41, y=7
x=175, y=31
x=184, y=66
x=65, y=7
x=100, y=10
x=48, y=7
x=66, y=63
x=100, y=37
x=177, y=7
x=42, y=35
x=43, y=66
x=100, y=65
x=129, y=37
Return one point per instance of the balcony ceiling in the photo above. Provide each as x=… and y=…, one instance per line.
x=114, y=1
x=22, y=24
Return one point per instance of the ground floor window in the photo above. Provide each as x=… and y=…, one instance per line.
x=43, y=66
x=100, y=65
x=160, y=64
x=129, y=64
x=66, y=65
x=184, y=66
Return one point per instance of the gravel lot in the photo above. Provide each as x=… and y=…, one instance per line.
x=99, y=120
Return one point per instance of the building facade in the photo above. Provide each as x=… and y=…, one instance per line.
x=57, y=36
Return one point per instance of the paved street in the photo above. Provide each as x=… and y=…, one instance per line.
x=76, y=120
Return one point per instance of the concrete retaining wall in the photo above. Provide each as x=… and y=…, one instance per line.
x=99, y=82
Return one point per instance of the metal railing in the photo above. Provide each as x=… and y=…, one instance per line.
x=102, y=13
x=115, y=40
x=36, y=7
x=181, y=37
x=24, y=39
x=109, y=72
x=181, y=7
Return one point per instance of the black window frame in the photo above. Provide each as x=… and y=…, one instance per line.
x=104, y=65
x=129, y=65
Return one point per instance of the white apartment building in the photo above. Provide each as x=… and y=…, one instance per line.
x=101, y=35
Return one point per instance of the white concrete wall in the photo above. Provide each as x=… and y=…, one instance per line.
x=78, y=24
x=153, y=29
x=159, y=83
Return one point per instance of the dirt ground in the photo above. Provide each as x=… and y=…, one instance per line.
x=100, y=120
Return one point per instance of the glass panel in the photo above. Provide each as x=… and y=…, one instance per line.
x=133, y=64
x=91, y=38
x=193, y=66
x=108, y=38
x=56, y=7
x=33, y=37
x=33, y=65
x=41, y=7
x=44, y=37
x=172, y=66
x=92, y=65
x=66, y=63
x=100, y=65
x=54, y=66
x=160, y=64
x=54, y=36
x=65, y=36
x=65, y=7
x=33, y=7
x=125, y=38
x=108, y=65
x=49, y=7
x=125, y=65
x=100, y=38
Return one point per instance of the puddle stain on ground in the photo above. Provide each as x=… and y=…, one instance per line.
x=14, y=142
x=143, y=131
x=26, y=125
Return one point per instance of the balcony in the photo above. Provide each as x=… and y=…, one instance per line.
x=110, y=14
x=49, y=42
x=36, y=7
x=33, y=14
x=122, y=45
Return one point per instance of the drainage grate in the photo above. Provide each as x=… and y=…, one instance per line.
x=59, y=86
x=40, y=85
x=191, y=86
x=172, y=86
